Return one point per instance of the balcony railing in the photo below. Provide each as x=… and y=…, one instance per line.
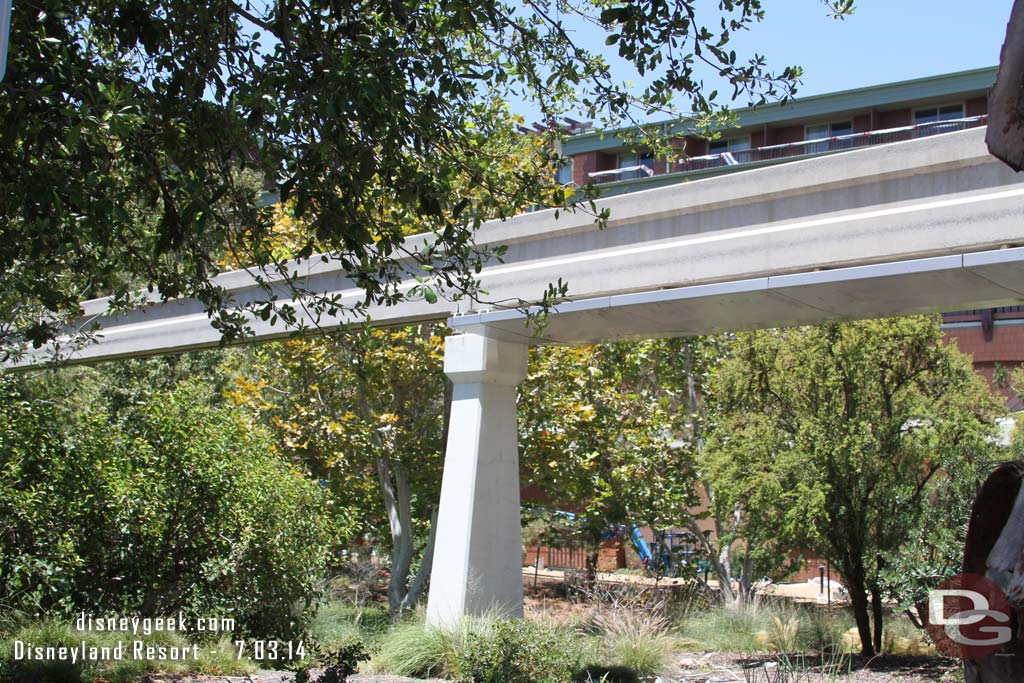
x=625, y=173
x=832, y=144
x=797, y=149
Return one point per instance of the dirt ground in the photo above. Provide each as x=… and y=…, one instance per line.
x=721, y=667
x=284, y=677
x=714, y=667
x=545, y=601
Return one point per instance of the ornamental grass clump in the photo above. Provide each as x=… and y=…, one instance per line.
x=422, y=651
x=635, y=639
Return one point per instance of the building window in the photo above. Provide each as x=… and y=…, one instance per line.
x=564, y=175
x=723, y=145
x=935, y=114
x=822, y=131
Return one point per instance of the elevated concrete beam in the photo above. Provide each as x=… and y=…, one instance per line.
x=918, y=199
x=929, y=285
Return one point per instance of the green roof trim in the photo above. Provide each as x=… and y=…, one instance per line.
x=964, y=83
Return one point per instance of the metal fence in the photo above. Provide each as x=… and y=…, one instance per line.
x=980, y=311
x=626, y=173
x=832, y=144
x=797, y=149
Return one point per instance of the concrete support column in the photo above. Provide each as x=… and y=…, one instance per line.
x=478, y=557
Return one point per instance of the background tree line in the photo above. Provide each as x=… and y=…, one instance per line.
x=230, y=481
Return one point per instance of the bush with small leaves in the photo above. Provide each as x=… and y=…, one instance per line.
x=178, y=505
x=338, y=664
x=521, y=652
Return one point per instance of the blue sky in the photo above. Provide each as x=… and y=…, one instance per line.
x=883, y=41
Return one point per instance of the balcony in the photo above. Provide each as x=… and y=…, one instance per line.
x=624, y=173
x=796, y=149
x=833, y=144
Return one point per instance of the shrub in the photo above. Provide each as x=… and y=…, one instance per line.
x=821, y=630
x=729, y=629
x=771, y=626
x=485, y=650
x=337, y=623
x=607, y=674
x=782, y=634
x=178, y=505
x=338, y=664
x=521, y=652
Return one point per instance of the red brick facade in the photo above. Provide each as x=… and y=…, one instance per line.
x=996, y=345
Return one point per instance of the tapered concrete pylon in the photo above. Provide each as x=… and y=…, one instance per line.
x=478, y=553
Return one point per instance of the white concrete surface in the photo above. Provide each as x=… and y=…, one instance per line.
x=478, y=555
x=909, y=201
x=928, y=285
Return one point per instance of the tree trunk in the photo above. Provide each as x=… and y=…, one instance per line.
x=419, y=583
x=397, y=498
x=401, y=536
x=395, y=492
x=746, y=592
x=592, y=558
x=859, y=602
x=720, y=562
x=723, y=567
x=876, y=617
x=1005, y=134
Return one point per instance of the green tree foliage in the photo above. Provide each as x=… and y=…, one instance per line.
x=131, y=133
x=699, y=491
x=617, y=433
x=858, y=428
x=366, y=411
x=179, y=506
x=1015, y=384
x=596, y=438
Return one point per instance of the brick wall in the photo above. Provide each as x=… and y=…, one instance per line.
x=610, y=557
x=893, y=119
x=785, y=134
x=862, y=123
x=1006, y=348
x=976, y=106
x=588, y=162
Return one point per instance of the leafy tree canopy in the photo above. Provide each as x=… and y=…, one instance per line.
x=864, y=428
x=365, y=413
x=135, y=135
x=596, y=437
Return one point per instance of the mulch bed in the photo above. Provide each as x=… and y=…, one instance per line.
x=737, y=668
x=281, y=677
x=715, y=667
